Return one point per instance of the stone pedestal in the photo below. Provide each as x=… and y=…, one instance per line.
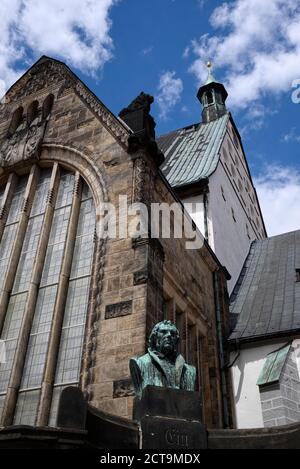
x=170, y=419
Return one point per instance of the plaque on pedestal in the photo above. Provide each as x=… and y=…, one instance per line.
x=166, y=433
x=170, y=419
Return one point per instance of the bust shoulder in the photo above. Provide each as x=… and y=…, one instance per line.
x=142, y=361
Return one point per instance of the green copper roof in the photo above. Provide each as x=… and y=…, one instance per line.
x=192, y=153
x=273, y=366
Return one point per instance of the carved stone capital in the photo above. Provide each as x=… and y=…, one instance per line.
x=143, y=180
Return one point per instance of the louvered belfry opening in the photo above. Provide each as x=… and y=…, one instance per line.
x=47, y=230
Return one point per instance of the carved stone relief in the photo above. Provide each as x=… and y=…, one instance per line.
x=50, y=73
x=23, y=145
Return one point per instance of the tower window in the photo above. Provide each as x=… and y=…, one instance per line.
x=247, y=230
x=235, y=139
x=209, y=98
x=233, y=215
x=297, y=275
x=223, y=195
x=218, y=98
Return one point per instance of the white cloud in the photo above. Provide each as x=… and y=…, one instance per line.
x=76, y=31
x=292, y=136
x=257, y=43
x=169, y=92
x=147, y=50
x=278, y=189
x=255, y=118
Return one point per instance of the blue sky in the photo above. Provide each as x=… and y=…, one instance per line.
x=121, y=47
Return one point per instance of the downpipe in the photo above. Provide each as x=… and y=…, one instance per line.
x=221, y=351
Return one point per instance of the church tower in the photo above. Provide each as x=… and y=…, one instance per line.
x=212, y=95
x=206, y=164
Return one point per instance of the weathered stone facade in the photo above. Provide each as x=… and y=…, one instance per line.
x=135, y=282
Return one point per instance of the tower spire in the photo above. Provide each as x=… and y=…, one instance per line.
x=212, y=95
x=210, y=77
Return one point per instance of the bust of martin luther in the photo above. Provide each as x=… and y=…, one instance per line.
x=162, y=365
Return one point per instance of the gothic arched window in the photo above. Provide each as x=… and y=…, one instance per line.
x=16, y=121
x=46, y=255
x=47, y=106
x=32, y=112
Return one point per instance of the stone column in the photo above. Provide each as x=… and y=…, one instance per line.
x=18, y=243
x=145, y=172
x=152, y=275
x=58, y=315
x=20, y=354
x=6, y=201
x=89, y=352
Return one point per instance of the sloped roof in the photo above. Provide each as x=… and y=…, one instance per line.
x=266, y=298
x=192, y=153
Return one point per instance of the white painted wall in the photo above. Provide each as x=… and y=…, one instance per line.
x=296, y=345
x=245, y=373
x=196, y=211
x=227, y=238
x=230, y=239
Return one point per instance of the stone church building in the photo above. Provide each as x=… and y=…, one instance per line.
x=78, y=300
x=75, y=306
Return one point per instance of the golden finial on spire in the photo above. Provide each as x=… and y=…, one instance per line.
x=210, y=77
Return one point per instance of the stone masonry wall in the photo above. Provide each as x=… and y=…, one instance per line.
x=280, y=402
x=128, y=276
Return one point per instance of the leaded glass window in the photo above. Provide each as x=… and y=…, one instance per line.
x=46, y=253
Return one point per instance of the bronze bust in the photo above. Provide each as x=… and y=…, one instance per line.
x=162, y=365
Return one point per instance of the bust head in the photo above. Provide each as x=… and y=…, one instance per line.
x=164, y=338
